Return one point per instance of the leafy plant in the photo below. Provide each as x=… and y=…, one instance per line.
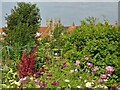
x=26, y=64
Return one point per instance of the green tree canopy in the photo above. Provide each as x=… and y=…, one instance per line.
x=22, y=24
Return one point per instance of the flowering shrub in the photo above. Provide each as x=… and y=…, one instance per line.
x=26, y=64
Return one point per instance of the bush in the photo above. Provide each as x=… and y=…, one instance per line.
x=100, y=42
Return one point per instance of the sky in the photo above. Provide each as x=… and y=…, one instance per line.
x=60, y=0
x=78, y=12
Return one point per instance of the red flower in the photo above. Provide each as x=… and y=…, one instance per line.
x=55, y=83
x=49, y=75
x=26, y=64
x=64, y=65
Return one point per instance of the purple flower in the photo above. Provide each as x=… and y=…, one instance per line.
x=56, y=58
x=25, y=80
x=55, y=83
x=49, y=75
x=89, y=64
x=101, y=81
x=43, y=85
x=37, y=73
x=64, y=65
x=86, y=58
x=36, y=82
x=103, y=76
x=109, y=69
x=77, y=63
x=95, y=69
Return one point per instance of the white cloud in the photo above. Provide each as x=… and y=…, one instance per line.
x=60, y=0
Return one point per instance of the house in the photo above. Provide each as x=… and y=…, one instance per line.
x=47, y=30
x=71, y=28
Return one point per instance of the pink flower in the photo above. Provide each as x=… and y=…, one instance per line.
x=56, y=58
x=118, y=86
x=36, y=82
x=109, y=69
x=89, y=64
x=37, y=73
x=55, y=83
x=49, y=75
x=95, y=69
x=77, y=62
x=101, y=81
x=43, y=85
x=86, y=58
x=103, y=76
x=64, y=65
x=26, y=80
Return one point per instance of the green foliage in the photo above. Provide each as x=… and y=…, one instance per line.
x=100, y=42
x=57, y=31
x=22, y=24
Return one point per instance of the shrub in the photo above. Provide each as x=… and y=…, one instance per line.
x=100, y=42
x=26, y=64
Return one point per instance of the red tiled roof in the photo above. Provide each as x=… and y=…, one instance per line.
x=70, y=28
x=1, y=30
x=42, y=29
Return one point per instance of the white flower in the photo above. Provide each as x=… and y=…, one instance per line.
x=76, y=70
x=24, y=78
x=31, y=78
x=100, y=86
x=69, y=85
x=105, y=87
x=67, y=80
x=80, y=77
x=89, y=84
x=56, y=54
x=38, y=86
x=79, y=87
x=85, y=81
x=106, y=80
x=71, y=71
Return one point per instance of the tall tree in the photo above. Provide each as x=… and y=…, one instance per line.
x=22, y=24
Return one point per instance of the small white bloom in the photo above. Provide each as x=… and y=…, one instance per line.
x=38, y=86
x=88, y=84
x=31, y=78
x=69, y=85
x=71, y=71
x=106, y=80
x=85, y=81
x=56, y=54
x=80, y=77
x=105, y=87
x=79, y=87
x=76, y=70
x=67, y=80
x=24, y=78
